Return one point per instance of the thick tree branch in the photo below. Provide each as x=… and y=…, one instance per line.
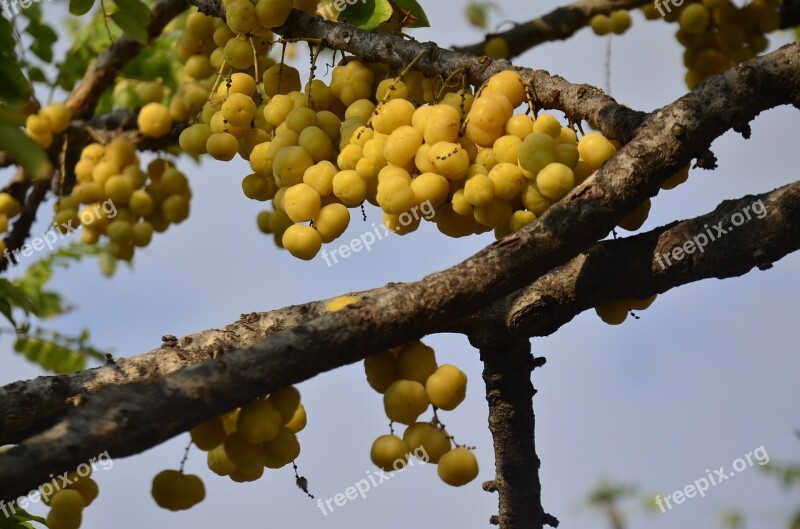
x=638, y=267
x=507, y=367
x=565, y=21
x=559, y=24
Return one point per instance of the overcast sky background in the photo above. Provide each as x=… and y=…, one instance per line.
x=708, y=374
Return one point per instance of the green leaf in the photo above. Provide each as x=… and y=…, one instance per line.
x=7, y=39
x=17, y=296
x=15, y=88
x=131, y=27
x=21, y=148
x=413, y=8
x=157, y=62
x=367, y=14
x=5, y=310
x=135, y=9
x=80, y=7
x=49, y=355
x=36, y=75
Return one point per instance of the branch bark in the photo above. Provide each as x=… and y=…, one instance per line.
x=559, y=24
x=507, y=367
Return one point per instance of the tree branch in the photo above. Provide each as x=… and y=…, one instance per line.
x=631, y=268
x=565, y=21
x=507, y=367
x=559, y=24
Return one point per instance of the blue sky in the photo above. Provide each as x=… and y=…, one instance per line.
x=705, y=376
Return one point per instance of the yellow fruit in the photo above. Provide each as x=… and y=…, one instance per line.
x=258, y=422
x=555, y=180
x=620, y=21
x=222, y=146
x=331, y=222
x=59, y=116
x=389, y=452
x=381, y=371
x=286, y=401
x=497, y=48
x=595, y=149
x=298, y=420
x=303, y=242
x=614, y=312
x=154, y=120
x=176, y=491
x=446, y=387
x=208, y=435
x=434, y=442
x=416, y=362
x=404, y=401
x=273, y=13
x=239, y=110
x=458, y=467
x=282, y=450
x=301, y=202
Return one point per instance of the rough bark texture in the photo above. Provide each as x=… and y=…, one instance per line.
x=630, y=268
x=507, y=367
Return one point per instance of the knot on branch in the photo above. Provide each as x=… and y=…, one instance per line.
x=551, y=520
x=490, y=486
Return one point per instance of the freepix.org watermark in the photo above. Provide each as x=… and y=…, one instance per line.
x=376, y=478
x=701, y=485
x=701, y=240
x=11, y=8
x=57, y=483
x=378, y=233
x=331, y=10
x=87, y=217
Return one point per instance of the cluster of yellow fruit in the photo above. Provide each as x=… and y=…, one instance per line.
x=261, y=434
x=52, y=119
x=9, y=208
x=67, y=504
x=410, y=381
x=717, y=34
x=319, y=152
x=121, y=201
x=616, y=22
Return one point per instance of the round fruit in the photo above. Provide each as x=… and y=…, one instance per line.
x=447, y=387
x=458, y=467
x=388, y=451
x=258, y=422
x=154, y=120
x=208, y=435
x=303, y=242
x=404, y=401
x=427, y=442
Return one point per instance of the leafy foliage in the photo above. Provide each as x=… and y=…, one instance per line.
x=27, y=294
